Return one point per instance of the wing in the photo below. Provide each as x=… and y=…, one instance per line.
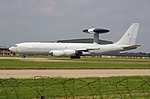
x=88, y=48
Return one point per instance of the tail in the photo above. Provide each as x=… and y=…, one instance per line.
x=129, y=38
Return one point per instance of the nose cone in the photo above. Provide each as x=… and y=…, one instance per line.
x=12, y=49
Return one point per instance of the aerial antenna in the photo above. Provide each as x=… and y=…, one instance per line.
x=96, y=32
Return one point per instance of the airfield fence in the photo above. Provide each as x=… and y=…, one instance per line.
x=41, y=87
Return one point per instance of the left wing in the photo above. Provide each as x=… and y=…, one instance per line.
x=88, y=48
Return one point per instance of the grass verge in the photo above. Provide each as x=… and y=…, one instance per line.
x=84, y=63
x=136, y=87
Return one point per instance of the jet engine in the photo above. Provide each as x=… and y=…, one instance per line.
x=67, y=52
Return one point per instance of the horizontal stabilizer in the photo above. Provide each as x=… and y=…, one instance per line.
x=131, y=47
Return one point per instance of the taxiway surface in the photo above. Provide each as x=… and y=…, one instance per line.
x=77, y=73
x=73, y=73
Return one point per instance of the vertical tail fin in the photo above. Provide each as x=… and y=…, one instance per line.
x=129, y=38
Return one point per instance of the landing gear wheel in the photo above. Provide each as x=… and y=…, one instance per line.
x=75, y=57
x=23, y=56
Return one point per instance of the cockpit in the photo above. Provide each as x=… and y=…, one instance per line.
x=13, y=48
x=14, y=45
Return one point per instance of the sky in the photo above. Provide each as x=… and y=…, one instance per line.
x=46, y=20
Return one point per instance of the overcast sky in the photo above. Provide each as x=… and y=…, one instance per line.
x=45, y=20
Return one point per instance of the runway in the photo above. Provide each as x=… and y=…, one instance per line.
x=70, y=73
x=73, y=73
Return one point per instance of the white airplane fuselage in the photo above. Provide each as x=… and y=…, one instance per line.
x=127, y=42
x=45, y=48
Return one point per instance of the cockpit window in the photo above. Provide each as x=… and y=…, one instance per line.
x=15, y=45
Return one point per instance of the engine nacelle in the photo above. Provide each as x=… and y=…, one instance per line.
x=95, y=31
x=56, y=53
x=67, y=52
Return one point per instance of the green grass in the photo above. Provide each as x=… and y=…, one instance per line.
x=83, y=63
x=136, y=87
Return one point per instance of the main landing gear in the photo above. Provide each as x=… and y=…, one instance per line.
x=23, y=56
x=75, y=57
